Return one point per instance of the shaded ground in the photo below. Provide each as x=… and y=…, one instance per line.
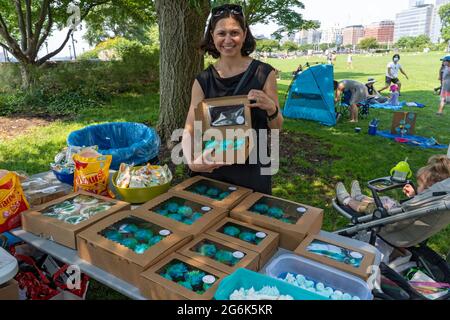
x=12, y=127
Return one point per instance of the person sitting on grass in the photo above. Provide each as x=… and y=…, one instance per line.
x=374, y=96
x=437, y=170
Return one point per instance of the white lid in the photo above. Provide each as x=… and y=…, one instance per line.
x=261, y=235
x=356, y=255
x=209, y=279
x=238, y=254
x=301, y=210
x=164, y=232
x=232, y=188
x=240, y=120
x=206, y=209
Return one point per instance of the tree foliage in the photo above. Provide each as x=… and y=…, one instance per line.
x=281, y=12
x=419, y=42
x=444, y=13
x=129, y=19
x=289, y=46
x=368, y=43
x=265, y=45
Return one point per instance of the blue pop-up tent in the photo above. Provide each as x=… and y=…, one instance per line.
x=311, y=96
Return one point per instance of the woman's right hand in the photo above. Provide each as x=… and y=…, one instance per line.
x=204, y=163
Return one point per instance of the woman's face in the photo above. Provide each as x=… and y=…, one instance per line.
x=228, y=37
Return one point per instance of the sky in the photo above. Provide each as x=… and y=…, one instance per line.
x=345, y=12
x=328, y=12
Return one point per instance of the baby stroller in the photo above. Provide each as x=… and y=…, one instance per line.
x=343, y=107
x=404, y=231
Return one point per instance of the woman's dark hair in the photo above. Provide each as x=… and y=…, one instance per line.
x=396, y=56
x=207, y=44
x=335, y=84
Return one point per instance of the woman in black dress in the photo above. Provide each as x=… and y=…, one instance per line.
x=229, y=39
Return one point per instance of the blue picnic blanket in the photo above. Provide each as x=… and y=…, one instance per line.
x=396, y=108
x=417, y=141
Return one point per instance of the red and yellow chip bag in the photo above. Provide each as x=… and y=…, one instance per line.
x=12, y=201
x=92, y=174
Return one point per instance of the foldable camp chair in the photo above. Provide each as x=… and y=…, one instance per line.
x=342, y=109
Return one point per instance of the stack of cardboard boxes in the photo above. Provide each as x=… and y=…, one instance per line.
x=180, y=241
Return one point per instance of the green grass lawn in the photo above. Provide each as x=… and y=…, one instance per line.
x=314, y=157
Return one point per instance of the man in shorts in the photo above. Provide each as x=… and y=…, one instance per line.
x=357, y=91
x=393, y=69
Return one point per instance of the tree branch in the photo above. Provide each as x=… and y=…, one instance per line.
x=14, y=47
x=18, y=4
x=48, y=29
x=28, y=22
x=54, y=53
x=45, y=10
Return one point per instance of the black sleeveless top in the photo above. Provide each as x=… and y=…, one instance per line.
x=248, y=175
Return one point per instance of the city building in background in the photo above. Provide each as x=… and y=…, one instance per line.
x=414, y=21
x=332, y=35
x=352, y=35
x=383, y=31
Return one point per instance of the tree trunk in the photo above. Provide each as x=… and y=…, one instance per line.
x=181, y=28
x=26, y=74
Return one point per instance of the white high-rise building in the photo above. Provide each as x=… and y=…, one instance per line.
x=332, y=35
x=414, y=21
x=436, y=24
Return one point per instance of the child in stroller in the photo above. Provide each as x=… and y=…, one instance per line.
x=410, y=269
x=437, y=170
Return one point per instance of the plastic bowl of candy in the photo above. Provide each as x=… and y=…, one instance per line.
x=140, y=195
x=64, y=177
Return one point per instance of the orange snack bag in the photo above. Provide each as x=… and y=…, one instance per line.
x=12, y=201
x=92, y=174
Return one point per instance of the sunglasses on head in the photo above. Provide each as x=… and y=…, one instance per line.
x=231, y=8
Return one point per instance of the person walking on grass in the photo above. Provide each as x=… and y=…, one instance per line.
x=445, y=90
x=393, y=69
x=350, y=61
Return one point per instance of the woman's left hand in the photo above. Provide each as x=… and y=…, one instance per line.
x=263, y=101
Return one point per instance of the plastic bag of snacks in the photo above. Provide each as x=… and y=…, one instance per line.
x=92, y=172
x=64, y=159
x=143, y=177
x=12, y=200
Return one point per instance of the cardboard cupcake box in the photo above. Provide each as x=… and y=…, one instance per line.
x=183, y=213
x=127, y=243
x=177, y=277
x=218, y=193
x=62, y=219
x=345, y=254
x=293, y=221
x=225, y=115
x=224, y=256
x=262, y=241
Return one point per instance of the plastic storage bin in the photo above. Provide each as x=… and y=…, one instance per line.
x=331, y=277
x=247, y=279
x=64, y=177
x=126, y=141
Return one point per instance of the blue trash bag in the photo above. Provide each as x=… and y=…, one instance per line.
x=127, y=142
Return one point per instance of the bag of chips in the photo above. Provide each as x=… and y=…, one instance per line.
x=92, y=173
x=12, y=201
